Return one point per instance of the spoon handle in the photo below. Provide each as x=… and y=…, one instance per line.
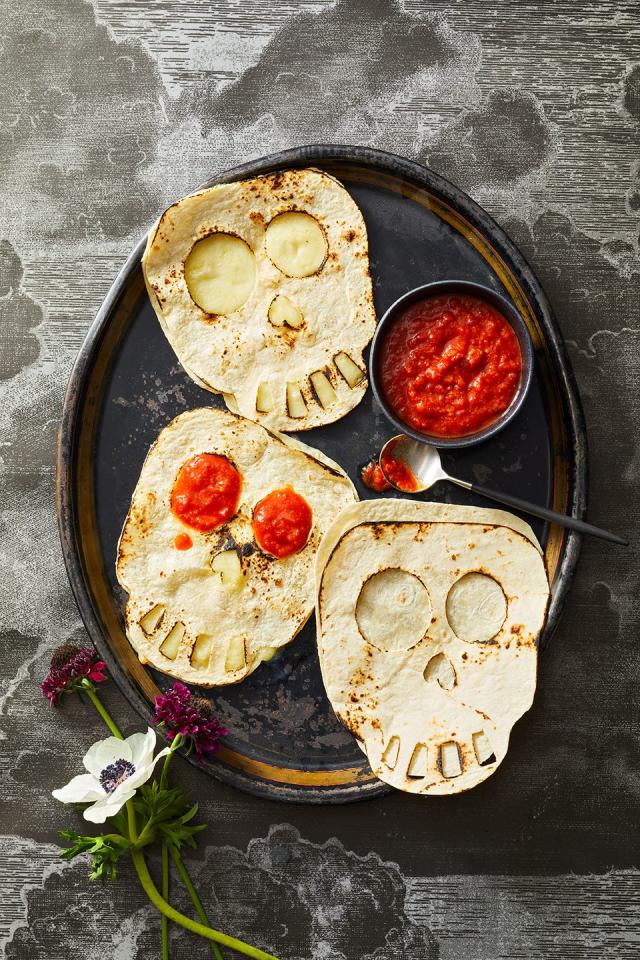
x=560, y=518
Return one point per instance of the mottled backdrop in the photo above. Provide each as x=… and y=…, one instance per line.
x=111, y=109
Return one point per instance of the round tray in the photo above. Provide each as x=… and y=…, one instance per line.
x=286, y=742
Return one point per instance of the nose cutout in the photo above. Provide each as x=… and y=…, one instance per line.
x=285, y=314
x=440, y=670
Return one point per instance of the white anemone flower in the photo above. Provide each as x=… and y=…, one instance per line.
x=116, y=768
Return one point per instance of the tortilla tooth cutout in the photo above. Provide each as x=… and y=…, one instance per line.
x=439, y=685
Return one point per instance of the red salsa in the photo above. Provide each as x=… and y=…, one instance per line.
x=282, y=522
x=183, y=542
x=373, y=477
x=450, y=365
x=397, y=471
x=206, y=492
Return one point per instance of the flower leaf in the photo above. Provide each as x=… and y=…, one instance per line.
x=190, y=814
x=105, y=851
x=167, y=812
x=179, y=835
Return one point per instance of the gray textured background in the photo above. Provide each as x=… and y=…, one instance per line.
x=110, y=110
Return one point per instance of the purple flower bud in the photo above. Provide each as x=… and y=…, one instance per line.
x=192, y=717
x=69, y=665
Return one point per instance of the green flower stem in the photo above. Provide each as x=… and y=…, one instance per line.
x=193, y=893
x=207, y=932
x=102, y=710
x=142, y=870
x=175, y=744
x=146, y=835
x=165, y=894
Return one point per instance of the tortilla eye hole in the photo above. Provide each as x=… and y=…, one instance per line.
x=476, y=608
x=282, y=523
x=206, y=492
x=296, y=244
x=393, y=610
x=220, y=273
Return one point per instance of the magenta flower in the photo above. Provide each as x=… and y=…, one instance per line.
x=191, y=717
x=70, y=665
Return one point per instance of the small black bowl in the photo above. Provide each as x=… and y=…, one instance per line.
x=511, y=316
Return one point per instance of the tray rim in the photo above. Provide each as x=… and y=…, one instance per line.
x=426, y=179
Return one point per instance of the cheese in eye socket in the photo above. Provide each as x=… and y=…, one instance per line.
x=220, y=273
x=296, y=244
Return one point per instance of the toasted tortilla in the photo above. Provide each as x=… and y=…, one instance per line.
x=428, y=620
x=243, y=354
x=181, y=615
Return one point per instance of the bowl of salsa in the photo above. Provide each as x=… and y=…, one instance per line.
x=451, y=363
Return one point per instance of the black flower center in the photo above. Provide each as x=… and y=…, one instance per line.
x=115, y=774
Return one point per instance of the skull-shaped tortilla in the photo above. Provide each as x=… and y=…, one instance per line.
x=262, y=288
x=210, y=613
x=428, y=620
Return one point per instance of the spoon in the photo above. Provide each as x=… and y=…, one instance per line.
x=425, y=469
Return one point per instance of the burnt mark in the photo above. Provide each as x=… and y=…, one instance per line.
x=276, y=180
